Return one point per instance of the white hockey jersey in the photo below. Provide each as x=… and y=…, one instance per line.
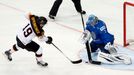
x=30, y=30
x=26, y=33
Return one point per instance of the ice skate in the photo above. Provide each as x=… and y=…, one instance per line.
x=51, y=17
x=82, y=12
x=8, y=55
x=42, y=63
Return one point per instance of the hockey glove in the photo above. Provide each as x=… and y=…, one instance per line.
x=49, y=41
x=86, y=36
x=110, y=48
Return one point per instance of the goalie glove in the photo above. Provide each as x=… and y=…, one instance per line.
x=86, y=36
x=110, y=48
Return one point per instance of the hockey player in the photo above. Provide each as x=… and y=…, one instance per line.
x=57, y=3
x=24, y=38
x=101, y=37
x=102, y=40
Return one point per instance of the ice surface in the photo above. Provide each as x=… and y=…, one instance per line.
x=67, y=39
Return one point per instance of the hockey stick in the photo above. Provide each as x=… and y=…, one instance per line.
x=88, y=47
x=74, y=62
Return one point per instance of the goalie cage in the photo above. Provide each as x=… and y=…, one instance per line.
x=128, y=25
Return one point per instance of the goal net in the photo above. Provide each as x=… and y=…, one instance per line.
x=128, y=23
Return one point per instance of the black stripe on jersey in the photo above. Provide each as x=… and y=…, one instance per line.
x=35, y=25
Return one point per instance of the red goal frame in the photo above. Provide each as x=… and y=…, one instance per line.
x=124, y=22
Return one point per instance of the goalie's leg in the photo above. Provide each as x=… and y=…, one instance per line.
x=104, y=58
x=114, y=58
x=126, y=59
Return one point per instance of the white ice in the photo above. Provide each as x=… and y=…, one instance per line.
x=66, y=31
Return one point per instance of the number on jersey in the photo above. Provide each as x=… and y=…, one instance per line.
x=27, y=30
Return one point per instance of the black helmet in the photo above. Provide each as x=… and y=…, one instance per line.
x=42, y=20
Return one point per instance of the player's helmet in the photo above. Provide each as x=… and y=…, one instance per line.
x=42, y=21
x=92, y=20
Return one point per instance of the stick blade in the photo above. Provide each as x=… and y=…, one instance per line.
x=76, y=62
x=95, y=62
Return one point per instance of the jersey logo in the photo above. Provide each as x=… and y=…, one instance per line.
x=35, y=25
x=102, y=28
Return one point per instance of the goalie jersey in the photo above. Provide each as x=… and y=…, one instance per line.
x=99, y=33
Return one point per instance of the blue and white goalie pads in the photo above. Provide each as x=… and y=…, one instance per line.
x=105, y=58
x=110, y=48
x=114, y=58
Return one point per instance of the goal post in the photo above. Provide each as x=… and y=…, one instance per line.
x=128, y=26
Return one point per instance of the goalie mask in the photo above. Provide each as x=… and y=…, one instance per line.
x=92, y=20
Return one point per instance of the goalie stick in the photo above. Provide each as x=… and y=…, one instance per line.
x=88, y=48
x=74, y=62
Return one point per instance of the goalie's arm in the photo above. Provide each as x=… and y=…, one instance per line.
x=86, y=36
